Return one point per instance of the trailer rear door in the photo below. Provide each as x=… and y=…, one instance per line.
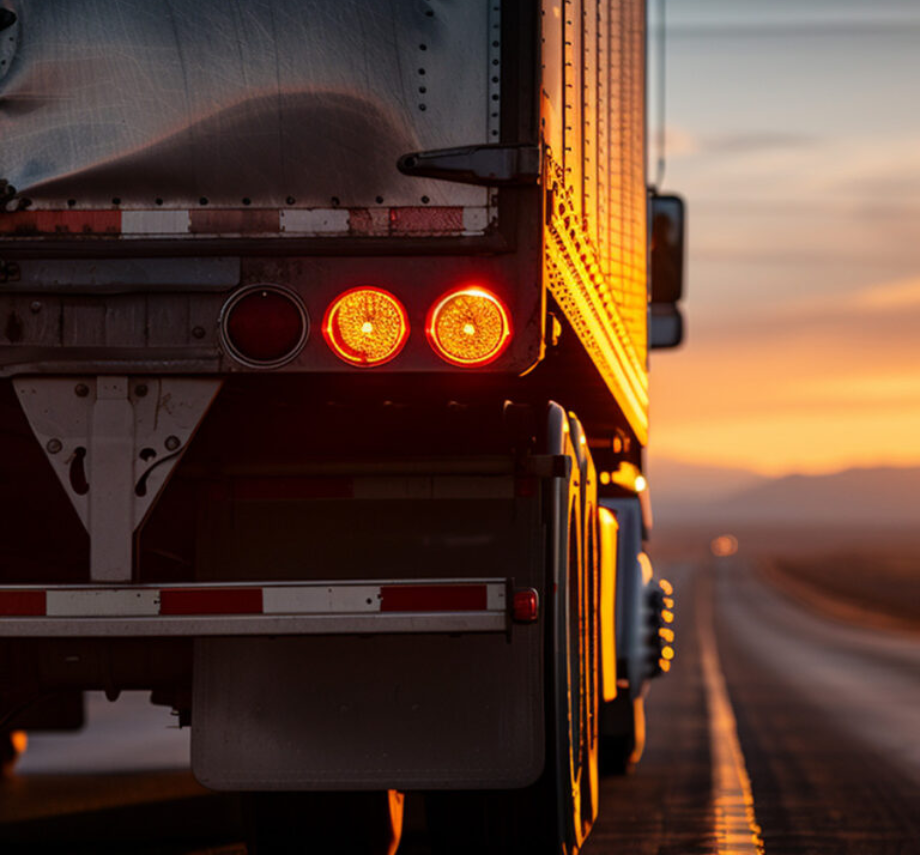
x=264, y=104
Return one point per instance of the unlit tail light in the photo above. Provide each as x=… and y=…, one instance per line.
x=264, y=326
x=469, y=327
x=366, y=326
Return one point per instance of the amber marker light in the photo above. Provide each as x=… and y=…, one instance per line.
x=366, y=326
x=469, y=327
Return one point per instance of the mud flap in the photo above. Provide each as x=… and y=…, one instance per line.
x=370, y=713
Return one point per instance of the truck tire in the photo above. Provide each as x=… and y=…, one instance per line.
x=287, y=823
x=554, y=815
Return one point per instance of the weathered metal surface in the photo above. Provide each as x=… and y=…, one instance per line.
x=122, y=276
x=138, y=316
x=113, y=442
x=268, y=103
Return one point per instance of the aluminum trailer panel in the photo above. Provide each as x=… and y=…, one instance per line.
x=281, y=103
x=593, y=111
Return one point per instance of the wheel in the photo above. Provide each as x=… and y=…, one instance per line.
x=285, y=823
x=554, y=815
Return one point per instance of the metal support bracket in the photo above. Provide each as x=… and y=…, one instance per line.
x=113, y=442
x=491, y=165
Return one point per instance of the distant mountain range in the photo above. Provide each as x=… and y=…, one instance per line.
x=875, y=496
x=677, y=481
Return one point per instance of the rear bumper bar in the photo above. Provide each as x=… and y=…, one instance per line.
x=276, y=608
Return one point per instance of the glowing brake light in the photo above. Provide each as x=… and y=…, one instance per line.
x=366, y=326
x=469, y=327
x=264, y=326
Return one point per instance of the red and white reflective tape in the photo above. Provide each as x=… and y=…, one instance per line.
x=429, y=220
x=236, y=600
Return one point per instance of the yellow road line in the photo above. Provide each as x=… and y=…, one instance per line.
x=735, y=824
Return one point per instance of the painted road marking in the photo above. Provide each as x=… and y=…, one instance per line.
x=735, y=822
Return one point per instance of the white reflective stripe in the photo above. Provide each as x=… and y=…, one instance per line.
x=315, y=221
x=90, y=603
x=155, y=222
x=440, y=487
x=300, y=600
x=475, y=220
x=496, y=598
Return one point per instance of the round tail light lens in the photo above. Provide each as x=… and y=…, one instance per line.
x=264, y=326
x=469, y=327
x=366, y=326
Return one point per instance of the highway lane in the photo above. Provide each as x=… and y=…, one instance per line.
x=829, y=721
x=827, y=718
x=817, y=751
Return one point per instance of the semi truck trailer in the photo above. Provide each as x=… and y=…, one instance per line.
x=324, y=335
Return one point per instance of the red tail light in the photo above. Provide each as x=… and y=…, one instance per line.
x=525, y=606
x=469, y=327
x=264, y=326
x=366, y=326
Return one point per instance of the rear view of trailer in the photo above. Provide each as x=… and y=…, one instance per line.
x=275, y=127
x=288, y=291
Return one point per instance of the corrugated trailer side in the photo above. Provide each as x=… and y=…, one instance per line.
x=593, y=121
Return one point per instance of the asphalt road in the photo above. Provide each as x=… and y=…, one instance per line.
x=778, y=730
x=827, y=718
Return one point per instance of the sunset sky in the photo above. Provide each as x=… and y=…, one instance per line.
x=794, y=134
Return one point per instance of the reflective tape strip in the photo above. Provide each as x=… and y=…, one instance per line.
x=22, y=603
x=315, y=221
x=475, y=220
x=155, y=222
x=434, y=598
x=370, y=222
x=237, y=600
x=343, y=599
x=60, y=222
x=211, y=601
x=235, y=221
x=90, y=603
x=431, y=221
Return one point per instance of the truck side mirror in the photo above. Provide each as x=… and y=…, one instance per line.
x=667, y=271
